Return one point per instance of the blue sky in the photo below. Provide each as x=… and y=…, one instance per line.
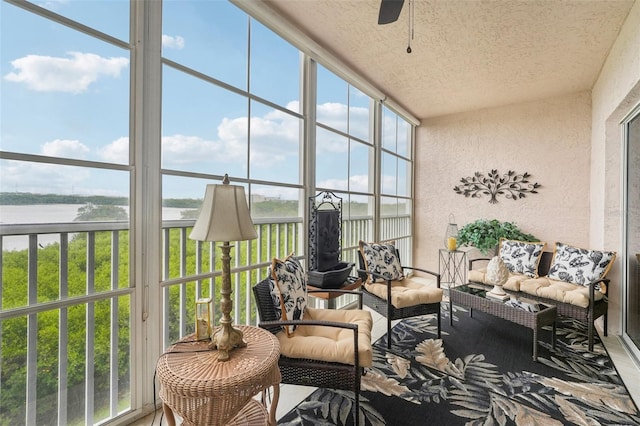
x=66, y=94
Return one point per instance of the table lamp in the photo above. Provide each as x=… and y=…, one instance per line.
x=224, y=217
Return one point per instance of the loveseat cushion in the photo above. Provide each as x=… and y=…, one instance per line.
x=579, y=266
x=560, y=291
x=513, y=282
x=330, y=344
x=408, y=292
x=521, y=257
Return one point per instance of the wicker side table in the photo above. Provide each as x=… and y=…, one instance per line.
x=205, y=391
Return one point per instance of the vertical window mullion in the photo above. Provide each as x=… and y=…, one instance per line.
x=166, y=294
x=183, y=286
x=115, y=329
x=63, y=333
x=32, y=333
x=90, y=330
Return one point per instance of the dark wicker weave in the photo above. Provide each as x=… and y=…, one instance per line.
x=384, y=306
x=588, y=315
x=474, y=297
x=311, y=372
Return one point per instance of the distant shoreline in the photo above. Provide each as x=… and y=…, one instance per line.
x=28, y=198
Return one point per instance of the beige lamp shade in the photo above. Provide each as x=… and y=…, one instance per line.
x=224, y=215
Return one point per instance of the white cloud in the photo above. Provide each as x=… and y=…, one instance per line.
x=55, y=5
x=333, y=114
x=65, y=148
x=171, y=42
x=388, y=183
x=334, y=184
x=182, y=149
x=273, y=137
x=358, y=183
x=116, y=152
x=55, y=74
x=46, y=178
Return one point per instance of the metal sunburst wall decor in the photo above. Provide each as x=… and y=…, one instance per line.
x=511, y=185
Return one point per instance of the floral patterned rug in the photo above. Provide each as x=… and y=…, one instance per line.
x=480, y=373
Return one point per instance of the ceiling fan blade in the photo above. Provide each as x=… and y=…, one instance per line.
x=389, y=11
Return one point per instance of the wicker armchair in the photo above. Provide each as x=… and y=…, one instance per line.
x=384, y=306
x=313, y=372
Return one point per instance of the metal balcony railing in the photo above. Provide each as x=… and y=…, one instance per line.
x=66, y=304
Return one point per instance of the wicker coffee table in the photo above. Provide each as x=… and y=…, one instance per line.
x=205, y=391
x=474, y=296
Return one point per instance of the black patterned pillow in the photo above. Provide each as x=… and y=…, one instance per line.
x=381, y=259
x=579, y=266
x=521, y=257
x=525, y=305
x=288, y=289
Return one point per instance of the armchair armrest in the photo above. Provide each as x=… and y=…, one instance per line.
x=336, y=290
x=426, y=271
x=472, y=261
x=602, y=283
x=379, y=276
x=302, y=322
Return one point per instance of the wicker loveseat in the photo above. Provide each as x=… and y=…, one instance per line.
x=550, y=283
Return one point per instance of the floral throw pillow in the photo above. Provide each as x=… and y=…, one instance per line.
x=579, y=266
x=381, y=259
x=288, y=289
x=521, y=257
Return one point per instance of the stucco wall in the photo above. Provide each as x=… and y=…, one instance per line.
x=614, y=95
x=550, y=139
x=571, y=145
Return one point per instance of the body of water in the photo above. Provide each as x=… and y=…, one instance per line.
x=51, y=213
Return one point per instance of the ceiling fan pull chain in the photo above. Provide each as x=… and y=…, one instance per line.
x=411, y=4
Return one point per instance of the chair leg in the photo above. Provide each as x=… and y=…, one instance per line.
x=439, y=320
x=356, y=406
x=590, y=334
x=388, y=332
x=606, y=318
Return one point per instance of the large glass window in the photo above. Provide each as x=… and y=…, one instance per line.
x=345, y=155
x=396, y=180
x=275, y=80
x=212, y=125
x=209, y=37
x=87, y=153
x=631, y=308
x=65, y=301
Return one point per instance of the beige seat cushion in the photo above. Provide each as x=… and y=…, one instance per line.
x=407, y=292
x=330, y=344
x=512, y=284
x=561, y=291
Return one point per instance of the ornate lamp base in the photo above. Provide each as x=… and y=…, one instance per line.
x=225, y=339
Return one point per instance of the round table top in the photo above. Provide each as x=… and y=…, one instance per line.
x=189, y=368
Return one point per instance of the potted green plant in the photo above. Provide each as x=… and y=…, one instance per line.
x=485, y=234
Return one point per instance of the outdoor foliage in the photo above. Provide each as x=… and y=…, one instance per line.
x=15, y=331
x=97, y=212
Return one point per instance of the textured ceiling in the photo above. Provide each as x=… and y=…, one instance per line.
x=466, y=55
